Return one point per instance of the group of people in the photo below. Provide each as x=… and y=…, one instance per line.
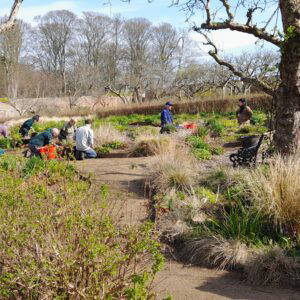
x=84, y=136
x=243, y=114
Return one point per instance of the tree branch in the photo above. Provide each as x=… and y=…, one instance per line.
x=258, y=32
x=228, y=11
x=255, y=81
x=12, y=17
x=230, y=24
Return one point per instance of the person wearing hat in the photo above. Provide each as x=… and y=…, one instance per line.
x=166, y=117
x=244, y=113
x=42, y=139
x=27, y=125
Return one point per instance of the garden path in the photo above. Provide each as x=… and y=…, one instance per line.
x=128, y=175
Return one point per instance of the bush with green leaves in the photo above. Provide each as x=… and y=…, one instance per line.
x=59, y=238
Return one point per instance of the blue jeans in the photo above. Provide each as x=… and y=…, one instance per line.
x=90, y=153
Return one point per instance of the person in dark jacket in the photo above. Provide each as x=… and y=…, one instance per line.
x=67, y=133
x=27, y=125
x=166, y=117
x=244, y=113
x=42, y=139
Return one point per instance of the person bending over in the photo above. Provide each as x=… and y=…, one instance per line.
x=166, y=117
x=67, y=133
x=85, y=140
x=42, y=139
x=27, y=125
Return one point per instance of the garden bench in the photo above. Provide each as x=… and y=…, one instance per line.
x=246, y=156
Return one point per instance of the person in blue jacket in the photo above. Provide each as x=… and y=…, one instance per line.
x=42, y=139
x=166, y=117
x=27, y=125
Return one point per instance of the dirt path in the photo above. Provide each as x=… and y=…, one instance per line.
x=127, y=175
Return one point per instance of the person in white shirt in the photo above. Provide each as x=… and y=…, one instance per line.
x=84, y=137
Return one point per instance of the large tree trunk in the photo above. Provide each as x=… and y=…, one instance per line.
x=287, y=136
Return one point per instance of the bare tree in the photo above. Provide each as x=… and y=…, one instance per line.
x=54, y=35
x=10, y=22
x=137, y=38
x=241, y=16
x=12, y=47
x=94, y=34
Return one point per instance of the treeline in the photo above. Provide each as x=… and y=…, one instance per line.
x=67, y=55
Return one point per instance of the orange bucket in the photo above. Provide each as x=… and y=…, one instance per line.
x=48, y=151
x=191, y=126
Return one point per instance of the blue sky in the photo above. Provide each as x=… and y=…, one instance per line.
x=158, y=11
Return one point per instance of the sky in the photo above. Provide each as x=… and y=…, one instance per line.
x=157, y=12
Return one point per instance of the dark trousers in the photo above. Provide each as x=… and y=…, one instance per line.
x=34, y=150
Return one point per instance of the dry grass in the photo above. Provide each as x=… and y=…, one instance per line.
x=277, y=191
x=216, y=252
x=174, y=167
x=106, y=133
x=149, y=145
x=271, y=266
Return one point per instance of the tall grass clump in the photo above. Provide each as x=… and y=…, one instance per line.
x=107, y=134
x=174, y=167
x=276, y=191
x=60, y=239
x=149, y=145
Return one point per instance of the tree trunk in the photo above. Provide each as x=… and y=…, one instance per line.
x=287, y=119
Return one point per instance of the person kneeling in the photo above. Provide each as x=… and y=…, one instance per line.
x=84, y=141
x=41, y=140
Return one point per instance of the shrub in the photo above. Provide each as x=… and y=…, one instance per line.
x=59, y=238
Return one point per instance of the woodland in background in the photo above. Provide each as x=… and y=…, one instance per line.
x=64, y=55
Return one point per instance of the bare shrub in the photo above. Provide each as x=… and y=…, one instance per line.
x=271, y=266
x=216, y=251
x=106, y=133
x=276, y=191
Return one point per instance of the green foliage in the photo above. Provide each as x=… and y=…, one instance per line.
x=206, y=195
x=217, y=150
x=5, y=143
x=107, y=148
x=202, y=153
x=201, y=149
x=202, y=131
x=238, y=221
x=58, y=237
x=216, y=127
x=42, y=126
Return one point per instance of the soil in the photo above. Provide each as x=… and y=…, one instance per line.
x=128, y=176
